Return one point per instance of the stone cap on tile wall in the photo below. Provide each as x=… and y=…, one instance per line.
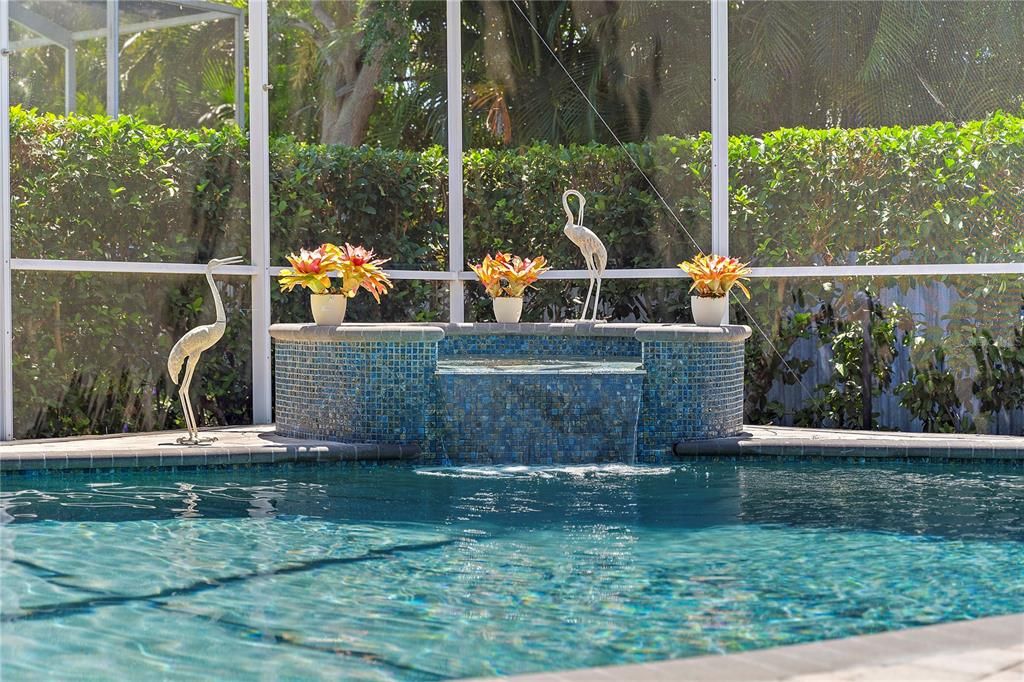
x=354, y=331
x=539, y=328
x=681, y=333
x=417, y=331
x=637, y=330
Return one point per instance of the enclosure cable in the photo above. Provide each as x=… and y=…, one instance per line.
x=653, y=187
x=618, y=141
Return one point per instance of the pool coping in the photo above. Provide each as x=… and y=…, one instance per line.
x=244, y=445
x=240, y=445
x=990, y=648
x=414, y=332
x=512, y=366
x=792, y=442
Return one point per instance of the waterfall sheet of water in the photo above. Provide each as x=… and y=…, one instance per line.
x=539, y=411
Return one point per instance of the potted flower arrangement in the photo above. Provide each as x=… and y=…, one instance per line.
x=713, y=277
x=356, y=267
x=505, y=278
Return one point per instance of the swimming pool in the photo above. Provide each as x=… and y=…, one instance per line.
x=381, y=573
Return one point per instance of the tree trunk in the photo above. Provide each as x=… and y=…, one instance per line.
x=350, y=73
x=349, y=101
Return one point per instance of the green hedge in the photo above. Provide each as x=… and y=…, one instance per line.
x=929, y=194
x=102, y=189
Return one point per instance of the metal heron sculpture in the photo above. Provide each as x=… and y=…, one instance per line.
x=595, y=255
x=191, y=346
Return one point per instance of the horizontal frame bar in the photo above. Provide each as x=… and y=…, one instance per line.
x=890, y=270
x=51, y=32
x=823, y=271
x=130, y=29
x=126, y=267
x=811, y=271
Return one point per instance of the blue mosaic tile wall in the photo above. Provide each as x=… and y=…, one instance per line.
x=389, y=392
x=540, y=346
x=354, y=391
x=538, y=418
x=693, y=391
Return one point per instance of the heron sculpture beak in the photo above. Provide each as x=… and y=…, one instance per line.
x=220, y=262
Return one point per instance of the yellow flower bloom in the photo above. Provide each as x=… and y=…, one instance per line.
x=508, y=275
x=310, y=269
x=713, y=276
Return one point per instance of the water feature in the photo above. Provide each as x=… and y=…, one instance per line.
x=512, y=410
x=512, y=393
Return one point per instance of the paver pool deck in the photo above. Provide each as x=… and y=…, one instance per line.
x=988, y=649
x=261, y=445
x=238, y=445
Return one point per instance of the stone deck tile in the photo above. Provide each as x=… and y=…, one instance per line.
x=777, y=441
x=234, y=445
x=988, y=649
x=260, y=445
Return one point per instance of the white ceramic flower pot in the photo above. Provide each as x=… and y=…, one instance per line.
x=507, y=309
x=709, y=312
x=328, y=309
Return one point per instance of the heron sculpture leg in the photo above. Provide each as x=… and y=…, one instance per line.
x=186, y=406
x=590, y=289
x=597, y=295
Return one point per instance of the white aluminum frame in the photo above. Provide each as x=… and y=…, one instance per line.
x=6, y=322
x=720, y=127
x=226, y=12
x=262, y=272
x=259, y=270
x=456, y=259
x=259, y=207
x=720, y=131
x=51, y=33
x=113, y=57
x=59, y=36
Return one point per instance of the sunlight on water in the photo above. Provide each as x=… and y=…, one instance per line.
x=390, y=573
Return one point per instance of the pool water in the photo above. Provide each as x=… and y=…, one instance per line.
x=391, y=573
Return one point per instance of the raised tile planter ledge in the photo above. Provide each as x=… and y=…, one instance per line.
x=484, y=393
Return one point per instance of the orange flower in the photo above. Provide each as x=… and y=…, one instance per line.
x=360, y=269
x=713, y=275
x=508, y=275
x=310, y=269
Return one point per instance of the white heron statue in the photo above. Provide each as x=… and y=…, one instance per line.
x=191, y=346
x=595, y=255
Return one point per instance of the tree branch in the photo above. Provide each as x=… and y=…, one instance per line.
x=323, y=16
x=306, y=27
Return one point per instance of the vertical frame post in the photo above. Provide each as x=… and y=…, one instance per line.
x=70, y=78
x=456, y=259
x=113, y=57
x=720, y=129
x=259, y=208
x=6, y=319
x=240, y=70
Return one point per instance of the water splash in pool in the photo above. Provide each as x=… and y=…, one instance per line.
x=548, y=471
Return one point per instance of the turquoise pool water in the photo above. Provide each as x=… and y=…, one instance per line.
x=383, y=573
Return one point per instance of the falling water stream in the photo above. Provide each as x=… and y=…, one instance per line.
x=524, y=410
